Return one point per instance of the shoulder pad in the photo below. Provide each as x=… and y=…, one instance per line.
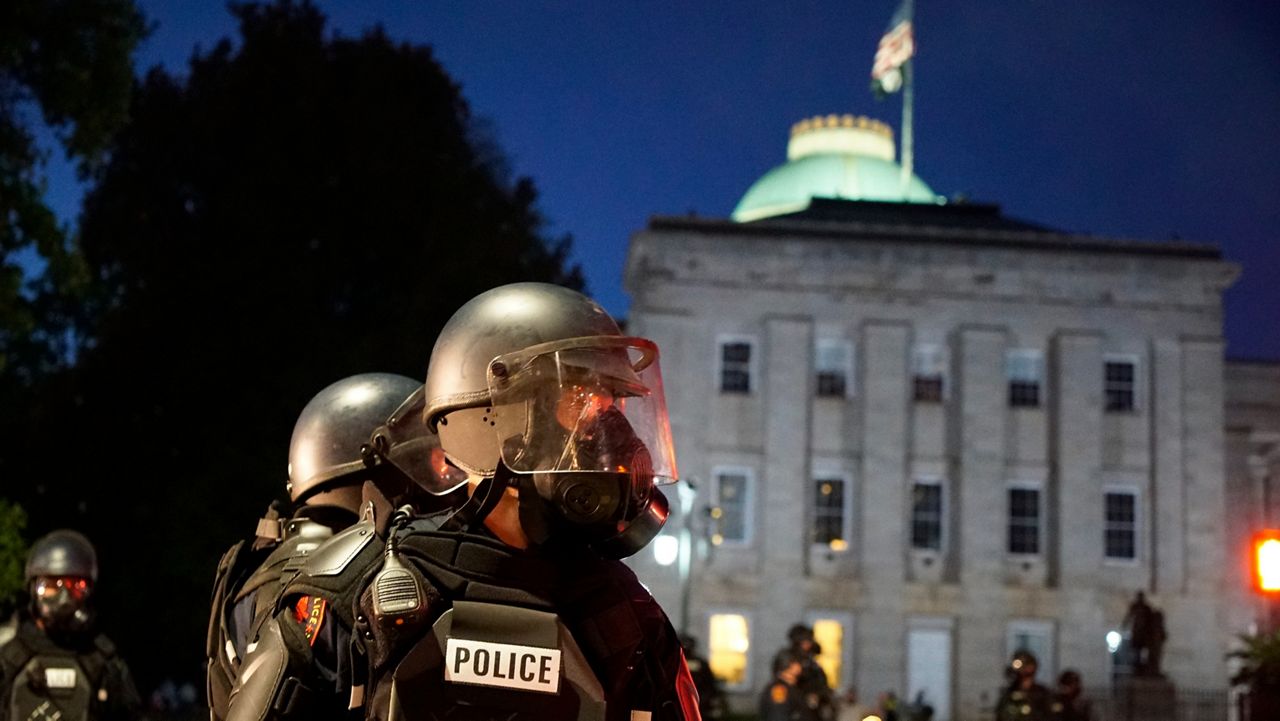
x=261, y=677
x=105, y=646
x=333, y=556
x=13, y=656
x=301, y=538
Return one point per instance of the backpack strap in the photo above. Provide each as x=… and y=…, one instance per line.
x=13, y=656
x=94, y=663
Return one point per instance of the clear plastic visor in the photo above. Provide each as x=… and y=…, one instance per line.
x=583, y=405
x=407, y=442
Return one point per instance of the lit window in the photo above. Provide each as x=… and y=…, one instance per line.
x=732, y=505
x=1024, y=521
x=735, y=367
x=829, y=526
x=1121, y=525
x=727, y=648
x=829, y=635
x=1120, y=385
x=833, y=363
x=926, y=516
x=1024, y=369
x=929, y=374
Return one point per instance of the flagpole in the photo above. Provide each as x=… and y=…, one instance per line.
x=908, y=109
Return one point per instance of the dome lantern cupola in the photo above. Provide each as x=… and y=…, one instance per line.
x=833, y=156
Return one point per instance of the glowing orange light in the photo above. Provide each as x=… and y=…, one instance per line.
x=1266, y=561
x=580, y=405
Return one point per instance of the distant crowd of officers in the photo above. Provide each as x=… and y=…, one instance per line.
x=799, y=691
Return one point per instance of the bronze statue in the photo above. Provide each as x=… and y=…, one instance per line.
x=1146, y=636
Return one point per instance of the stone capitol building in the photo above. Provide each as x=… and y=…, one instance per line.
x=939, y=434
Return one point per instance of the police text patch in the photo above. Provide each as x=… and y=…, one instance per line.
x=506, y=665
x=60, y=677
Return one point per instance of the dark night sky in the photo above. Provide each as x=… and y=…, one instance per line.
x=1135, y=119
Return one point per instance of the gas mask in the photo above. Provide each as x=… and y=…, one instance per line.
x=62, y=603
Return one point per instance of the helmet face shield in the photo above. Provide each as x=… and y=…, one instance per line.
x=589, y=405
x=407, y=443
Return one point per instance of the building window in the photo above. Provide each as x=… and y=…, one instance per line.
x=830, y=517
x=1024, y=369
x=728, y=642
x=1037, y=637
x=1120, y=385
x=735, y=366
x=1121, y=525
x=829, y=634
x=926, y=516
x=833, y=366
x=929, y=374
x=732, y=506
x=1024, y=521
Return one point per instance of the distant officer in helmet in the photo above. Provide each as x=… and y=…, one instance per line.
x=1023, y=699
x=812, y=682
x=782, y=699
x=57, y=666
x=327, y=471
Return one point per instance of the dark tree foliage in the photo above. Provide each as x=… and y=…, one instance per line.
x=68, y=64
x=299, y=208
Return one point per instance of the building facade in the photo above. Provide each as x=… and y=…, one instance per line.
x=939, y=434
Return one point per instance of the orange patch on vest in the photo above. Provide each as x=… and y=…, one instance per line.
x=309, y=611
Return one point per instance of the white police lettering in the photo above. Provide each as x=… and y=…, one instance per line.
x=506, y=665
x=60, y=677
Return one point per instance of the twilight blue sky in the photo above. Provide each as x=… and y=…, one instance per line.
x=1138, y=119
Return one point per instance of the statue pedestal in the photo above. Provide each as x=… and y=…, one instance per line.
x=1144, y=698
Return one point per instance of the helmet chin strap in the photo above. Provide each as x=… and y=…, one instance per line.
x=481, y=503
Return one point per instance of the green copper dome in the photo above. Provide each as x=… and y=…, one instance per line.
x=833, y=157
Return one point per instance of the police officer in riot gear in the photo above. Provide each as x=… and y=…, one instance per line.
x=1023, y=699
x=782, y=699
x=326, y=474
x=560, y=423
x=812, y=683
x=57, y=666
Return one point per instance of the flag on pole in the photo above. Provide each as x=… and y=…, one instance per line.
x=896, y=48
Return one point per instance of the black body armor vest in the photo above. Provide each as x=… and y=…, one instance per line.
x=48, y=682
x=457, y=625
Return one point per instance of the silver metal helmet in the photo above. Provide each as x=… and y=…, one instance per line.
x=62, y=553
x=334, y=426
x=499, y=321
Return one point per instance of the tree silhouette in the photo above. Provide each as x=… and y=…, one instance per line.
x=300, y=207
x=68, y=64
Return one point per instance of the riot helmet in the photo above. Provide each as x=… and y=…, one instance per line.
x=328, y=448
x=60, y=573
x=1022, y=665
x=799, y=634
x=534, y=385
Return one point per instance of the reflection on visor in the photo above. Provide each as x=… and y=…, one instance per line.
x=53, y=586
x=579, y=405
x=583, y=405
x=407, y=442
